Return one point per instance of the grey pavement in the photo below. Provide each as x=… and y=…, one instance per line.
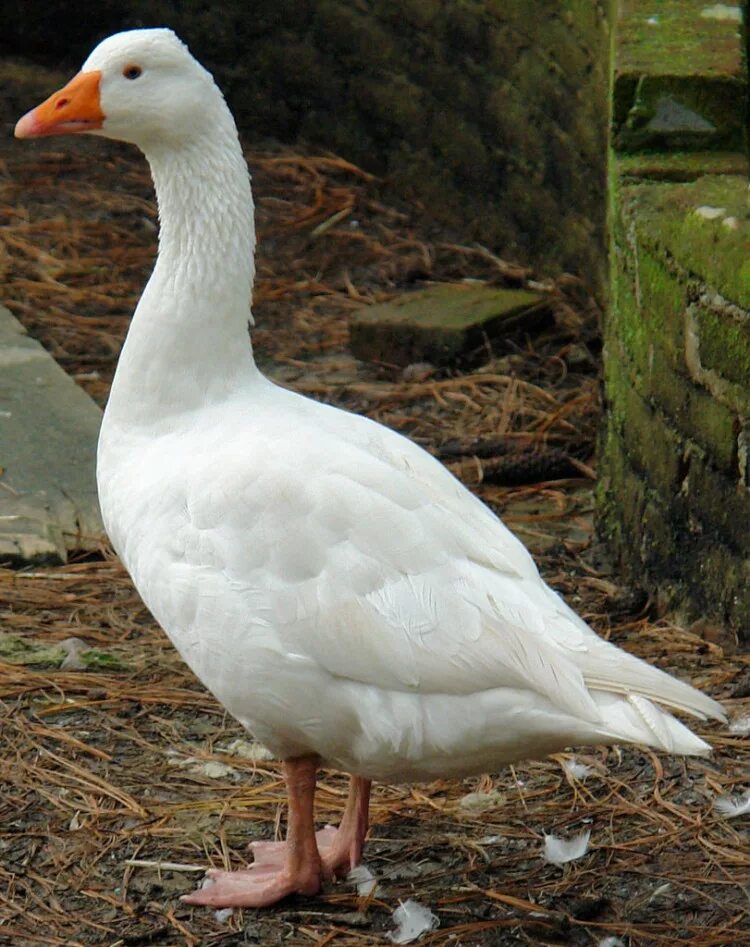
x=48, y=432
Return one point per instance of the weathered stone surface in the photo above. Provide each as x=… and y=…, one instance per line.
x=649, y=340
x=679, y=219
x=674, y=38
x=674, y=491
x=681, y=165
x=719, y=505
x=653, y=447
x=673, y=499
x=679, y=76
x=48, y=433
x=724, y=342
x=441, y=324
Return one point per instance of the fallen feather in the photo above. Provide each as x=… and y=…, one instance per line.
x=577, y=770
x=364, y=879
x=223, y=915
x=479, y=801
x=741, y=725
x=162, y=866
x=732, y=806
x=247, y=750
x=412, y=920
x=558, y=851
x=214, y=769
x=610, y=941
x=73, y=648
x=710, y=213
x=722, y=11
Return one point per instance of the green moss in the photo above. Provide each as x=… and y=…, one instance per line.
x=718, y=505
x=620, y=498
x=678, y=78
x=646, y=315
x=353, y=36
x=724, y=345
x=697, y=415
x=396, y=102
x=663, y=301
x=680, y=43
x=417, y=13
x=652, y=446
x=460, y=147
x=665, y=219
x=15, y=649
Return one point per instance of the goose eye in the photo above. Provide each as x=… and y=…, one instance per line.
x=132, y=72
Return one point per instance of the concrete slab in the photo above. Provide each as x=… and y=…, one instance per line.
x=48, y=432
x=442, y=323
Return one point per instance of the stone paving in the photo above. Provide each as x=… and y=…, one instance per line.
x=48, y=433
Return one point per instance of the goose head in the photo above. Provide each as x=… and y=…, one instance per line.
x=140, y=86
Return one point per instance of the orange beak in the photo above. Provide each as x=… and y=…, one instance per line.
x=75, y=108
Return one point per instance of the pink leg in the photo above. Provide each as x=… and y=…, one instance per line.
x=340, y=848
x=299, y=871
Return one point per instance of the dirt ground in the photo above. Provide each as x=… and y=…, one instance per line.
x=122, y=778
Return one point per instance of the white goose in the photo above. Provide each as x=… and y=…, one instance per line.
x=335, y=587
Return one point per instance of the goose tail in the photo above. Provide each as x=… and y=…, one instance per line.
x=633, y=718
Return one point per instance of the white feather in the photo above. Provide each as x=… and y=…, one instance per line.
x=731, y=807
x=740, y=725
x=364, y=879
x=559, y=851
x=412, y=920
x=577, y=770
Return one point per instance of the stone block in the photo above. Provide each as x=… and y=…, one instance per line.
x=703, y=225
x=443, y=323
x=679, y=76
x=724, y=342
x=695, y=413
x=48, y=434
x=718, y=505
x=648, y=309
x=620, y=495
x=651, y=445
x=681, y=165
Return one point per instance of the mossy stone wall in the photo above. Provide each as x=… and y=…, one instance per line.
x=674, y=490
x=490, y=114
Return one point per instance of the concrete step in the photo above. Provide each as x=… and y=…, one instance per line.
x=48, y=433
x=442, y=323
